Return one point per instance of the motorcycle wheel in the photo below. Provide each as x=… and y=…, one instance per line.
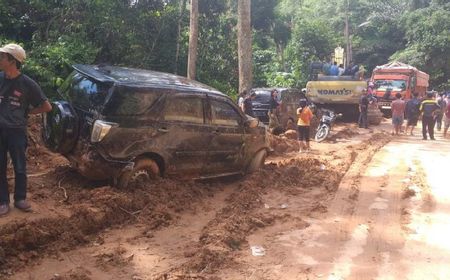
x=322, y=133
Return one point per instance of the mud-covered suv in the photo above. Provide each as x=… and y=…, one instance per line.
x=129, y=124
x=289, y=99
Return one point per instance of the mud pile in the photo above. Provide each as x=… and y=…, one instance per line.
x=244, y=212
x=309, y=178
x=282, y=144
x=345, y=133
x=92, y=208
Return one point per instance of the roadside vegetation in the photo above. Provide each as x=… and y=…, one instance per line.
x=287, y=36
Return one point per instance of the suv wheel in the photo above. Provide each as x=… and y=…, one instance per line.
x=144, y=171
x=257, y=161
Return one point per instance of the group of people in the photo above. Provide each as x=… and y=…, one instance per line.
x=433, y=109
x=333, y=69
x=304, y=115
x=19, y=97
x=245, y=102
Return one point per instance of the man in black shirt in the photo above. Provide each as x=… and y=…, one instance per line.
x=412, y=112
x=19, y=96
x=428, y=108
x=248, y=105
x=274, y=106
x=363, y=108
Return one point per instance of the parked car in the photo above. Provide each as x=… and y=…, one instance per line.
x=289, y=98
x=130, y=124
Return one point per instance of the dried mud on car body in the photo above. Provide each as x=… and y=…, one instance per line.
x=83, y=211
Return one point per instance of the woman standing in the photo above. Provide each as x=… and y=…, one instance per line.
x=304, y=115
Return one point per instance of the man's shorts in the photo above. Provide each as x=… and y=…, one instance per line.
x=446, y=121
x=397, y=120
x=412, y=121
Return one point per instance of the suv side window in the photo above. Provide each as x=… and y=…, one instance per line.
x=223, y=113
x=130, y=101
x=184, y=109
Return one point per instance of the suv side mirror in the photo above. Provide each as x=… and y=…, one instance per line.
x=251, y=122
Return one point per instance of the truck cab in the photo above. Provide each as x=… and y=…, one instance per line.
x=397, y=77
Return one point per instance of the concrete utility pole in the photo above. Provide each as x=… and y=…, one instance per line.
x=245, y=45
x=193, y=39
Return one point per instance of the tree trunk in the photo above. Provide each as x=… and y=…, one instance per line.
x=180, y=20
x=348, y=50
x=193, y=38
x=280, y=51
x=244, y=45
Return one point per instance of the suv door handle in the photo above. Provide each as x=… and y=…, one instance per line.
x=163, y=129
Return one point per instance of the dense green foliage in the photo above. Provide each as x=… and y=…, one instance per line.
x=288, y=36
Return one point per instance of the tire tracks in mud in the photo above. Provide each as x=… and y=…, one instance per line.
x=370, y=241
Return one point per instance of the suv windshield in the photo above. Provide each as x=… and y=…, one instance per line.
x=84, y=92
x=263, y=96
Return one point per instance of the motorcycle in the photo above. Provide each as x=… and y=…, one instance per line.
x=324, y=128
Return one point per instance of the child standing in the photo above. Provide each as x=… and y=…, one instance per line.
x=304, y=115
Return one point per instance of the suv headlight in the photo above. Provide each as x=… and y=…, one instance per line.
x=100, y=129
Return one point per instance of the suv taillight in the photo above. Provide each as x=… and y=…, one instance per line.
x=100, y=129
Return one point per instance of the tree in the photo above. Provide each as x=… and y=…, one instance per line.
x=244, y=45
x=428, y=43
x=180, y=21
x=193, y=39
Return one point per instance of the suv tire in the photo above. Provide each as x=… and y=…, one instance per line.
x=144, y=171
x=60, y=127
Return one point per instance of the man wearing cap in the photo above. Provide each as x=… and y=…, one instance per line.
x=19, y=96
x=428, y=108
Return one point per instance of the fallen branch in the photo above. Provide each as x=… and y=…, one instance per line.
x=130, y=213
x=66, y=198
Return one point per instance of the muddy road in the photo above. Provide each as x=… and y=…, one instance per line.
x=359, y=206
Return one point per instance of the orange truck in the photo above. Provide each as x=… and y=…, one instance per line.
x=394, y=77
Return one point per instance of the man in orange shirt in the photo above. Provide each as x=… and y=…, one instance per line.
x=304, y=115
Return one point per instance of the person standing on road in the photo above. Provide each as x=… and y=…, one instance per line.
x=412, y=112
x=363, y=108
x=241, y=99
x=18, y=93
x=428, y=108
x=440, y=113
x=398, y=112
x=304, y=115
x=274, y=106
x=248, y=105
x=447, y=116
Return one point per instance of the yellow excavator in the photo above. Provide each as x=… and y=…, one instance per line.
x=339, y=93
